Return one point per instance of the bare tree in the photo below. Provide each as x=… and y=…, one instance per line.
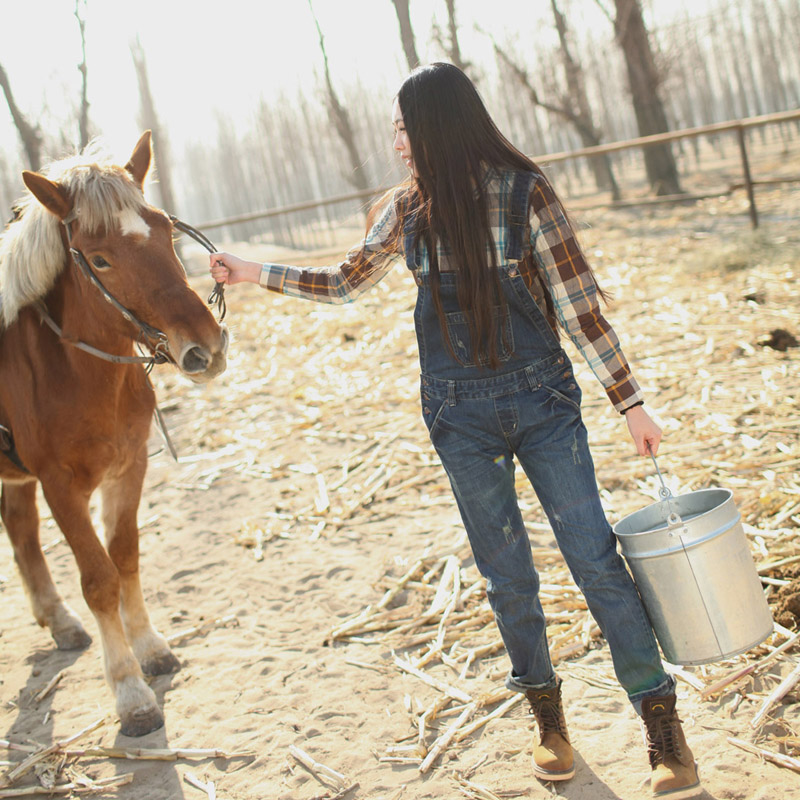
x=768, y=60
x=341, y=119
x=643, y=81
x=574, y=108
x=31, y=135
x=582, y=116
x=8, y=191
x=148, y=119
x=450, y=45
x=406, y=32
x=83, y=114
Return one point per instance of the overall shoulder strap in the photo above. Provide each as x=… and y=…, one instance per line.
x=517, y=218
x=408, y=214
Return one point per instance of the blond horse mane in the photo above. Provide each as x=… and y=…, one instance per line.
x=31, y=252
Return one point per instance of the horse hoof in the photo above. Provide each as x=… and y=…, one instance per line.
x=162, y=664
x=71, y=638
x=141, y=721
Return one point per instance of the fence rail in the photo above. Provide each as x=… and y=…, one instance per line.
x=738, y=126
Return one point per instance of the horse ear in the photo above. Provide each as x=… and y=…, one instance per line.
x=52, y=196
x=139, y=162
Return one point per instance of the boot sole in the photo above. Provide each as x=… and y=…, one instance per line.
x=545, y=775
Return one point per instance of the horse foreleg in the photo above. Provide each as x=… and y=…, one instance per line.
x=120, y=506
x=136, y=703
x=21, y=518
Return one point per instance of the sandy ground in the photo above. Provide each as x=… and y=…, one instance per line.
x=308, y=392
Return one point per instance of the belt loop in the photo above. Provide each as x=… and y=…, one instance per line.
x=531, y=376
x=451, y=393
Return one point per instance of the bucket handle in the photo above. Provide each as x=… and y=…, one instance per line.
x=673, y=518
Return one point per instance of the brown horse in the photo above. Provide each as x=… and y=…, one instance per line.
x=87, y=270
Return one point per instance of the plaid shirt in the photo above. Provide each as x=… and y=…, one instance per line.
x=556, y=260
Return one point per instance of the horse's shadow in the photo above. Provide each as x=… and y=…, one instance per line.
x=35, y=724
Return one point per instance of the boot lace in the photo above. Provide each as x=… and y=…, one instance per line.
x=662, y=739
x=549, y=715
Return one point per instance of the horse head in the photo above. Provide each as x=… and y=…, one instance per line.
x=125, y=247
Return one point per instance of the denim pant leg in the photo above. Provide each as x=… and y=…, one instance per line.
x=556, y=458
x=481, y=469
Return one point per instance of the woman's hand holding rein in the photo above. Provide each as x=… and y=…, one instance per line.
x=229, y=269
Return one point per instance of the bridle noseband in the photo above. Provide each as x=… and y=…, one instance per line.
x=148, y=336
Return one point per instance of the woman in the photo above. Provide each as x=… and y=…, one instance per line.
x=498, y=271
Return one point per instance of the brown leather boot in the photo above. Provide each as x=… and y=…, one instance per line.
x=552, y=757
x=674, y=771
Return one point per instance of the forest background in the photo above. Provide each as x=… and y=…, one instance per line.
x=258, y=109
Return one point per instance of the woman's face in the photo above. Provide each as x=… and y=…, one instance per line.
x=401, y=142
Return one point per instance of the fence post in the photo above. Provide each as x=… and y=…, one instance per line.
x=748, y=180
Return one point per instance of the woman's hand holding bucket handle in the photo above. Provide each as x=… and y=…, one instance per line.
x=645, y=433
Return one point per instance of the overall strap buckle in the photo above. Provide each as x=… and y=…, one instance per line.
x=530, y=374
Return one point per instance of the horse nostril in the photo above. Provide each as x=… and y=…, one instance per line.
x=195, y=359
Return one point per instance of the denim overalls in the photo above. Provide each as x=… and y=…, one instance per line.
x=479, y=419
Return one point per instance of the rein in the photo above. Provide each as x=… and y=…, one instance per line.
x=217, y=296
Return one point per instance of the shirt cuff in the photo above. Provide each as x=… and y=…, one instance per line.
x=263, y=278
x=625, y=394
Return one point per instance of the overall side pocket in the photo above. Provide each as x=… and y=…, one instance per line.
x=433, y=410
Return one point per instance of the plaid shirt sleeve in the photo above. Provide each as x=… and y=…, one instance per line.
x=363, y=267
x=575, y=297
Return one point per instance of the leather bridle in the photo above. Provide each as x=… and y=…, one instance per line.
x=148, y=336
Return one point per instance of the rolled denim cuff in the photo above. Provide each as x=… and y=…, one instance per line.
x=664, y=688
x=514, y=684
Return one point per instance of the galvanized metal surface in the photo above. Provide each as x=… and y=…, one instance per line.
x=692, y=564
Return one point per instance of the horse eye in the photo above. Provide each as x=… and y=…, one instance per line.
x=100, y=262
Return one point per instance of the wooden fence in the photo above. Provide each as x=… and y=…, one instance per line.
x=739, y=127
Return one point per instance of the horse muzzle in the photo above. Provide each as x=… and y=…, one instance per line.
x=201, y=363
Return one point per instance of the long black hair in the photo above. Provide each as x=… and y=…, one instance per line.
x=453, y=141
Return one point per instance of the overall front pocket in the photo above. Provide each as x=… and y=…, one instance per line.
x=461, y=341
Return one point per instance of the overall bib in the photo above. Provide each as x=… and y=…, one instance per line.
x=480, y=419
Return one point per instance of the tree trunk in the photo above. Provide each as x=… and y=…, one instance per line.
x=590, y=136
x=341, y=119
x=728, y=98
x=31, y=135
x=7, y=193
x=83, y=114
x=643, y=80
x=280, y=185
x=406, y=33
x=765, y=40
x=747, y=63
x=454, y=50
x=149, y=120
x=449, y=42
x=576, y=93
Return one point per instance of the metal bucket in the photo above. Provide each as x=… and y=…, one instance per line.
x=692, y=565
